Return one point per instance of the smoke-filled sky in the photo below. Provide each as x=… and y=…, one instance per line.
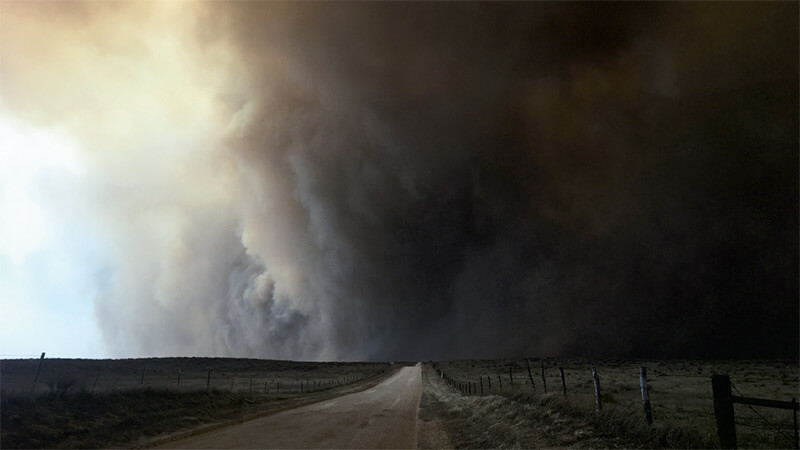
x=399, y=180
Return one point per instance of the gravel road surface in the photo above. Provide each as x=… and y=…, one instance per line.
x=383, y=416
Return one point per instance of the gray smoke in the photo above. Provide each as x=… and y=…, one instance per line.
x=424, y=181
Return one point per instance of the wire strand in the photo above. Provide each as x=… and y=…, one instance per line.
x=770, y=424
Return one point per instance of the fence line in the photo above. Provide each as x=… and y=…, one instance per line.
x=99, y=377
x=722, y=397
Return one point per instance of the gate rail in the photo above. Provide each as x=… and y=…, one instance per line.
x=723, y=410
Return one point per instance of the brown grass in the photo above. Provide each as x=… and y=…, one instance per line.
x=63, y=413
x=163, y=373
x=680, y=393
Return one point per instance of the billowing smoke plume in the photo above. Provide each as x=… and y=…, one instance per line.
x=424, y=181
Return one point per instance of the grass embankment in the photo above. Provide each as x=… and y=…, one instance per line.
x=137, y=417
x=84, y=420
x=521, y=420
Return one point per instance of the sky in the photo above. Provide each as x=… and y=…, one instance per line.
x=412, y=181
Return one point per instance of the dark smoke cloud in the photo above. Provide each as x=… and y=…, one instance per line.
x=498, y=180
x=443, y=180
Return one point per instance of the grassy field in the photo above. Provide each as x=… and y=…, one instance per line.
x=182, y=374
x=102, y=403
x=680, y=394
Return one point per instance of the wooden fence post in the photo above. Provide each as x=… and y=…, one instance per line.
x=278, y=387
x=530, y=376
x=179, y=377
x=208, y=380
x=265, y=387
x=596, y=379
x=510, y=376
x=723, y=410
x=141, y=381
x=481, y=380
x=489, y=379
x=544, y=381
x=563, y=381
x=38, y=369
x=251, y=385
x=500, y=380
x=648, y=413
x=794, y=417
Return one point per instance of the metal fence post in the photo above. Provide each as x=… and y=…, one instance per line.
x=648, y=413
x=596, y=378
x=544, y=380
x=96, y=377
x=530, y=376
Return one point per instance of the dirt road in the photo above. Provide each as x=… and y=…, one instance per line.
x=383, y=416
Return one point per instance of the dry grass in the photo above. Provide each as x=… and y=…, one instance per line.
x=230, y=374
x=680, y=392
x=472, y=422
x=84, y=420
x=64, y=413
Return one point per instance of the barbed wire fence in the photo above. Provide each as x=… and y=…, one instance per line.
x=54, y=376
x=768, y=423
x=512, y=383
